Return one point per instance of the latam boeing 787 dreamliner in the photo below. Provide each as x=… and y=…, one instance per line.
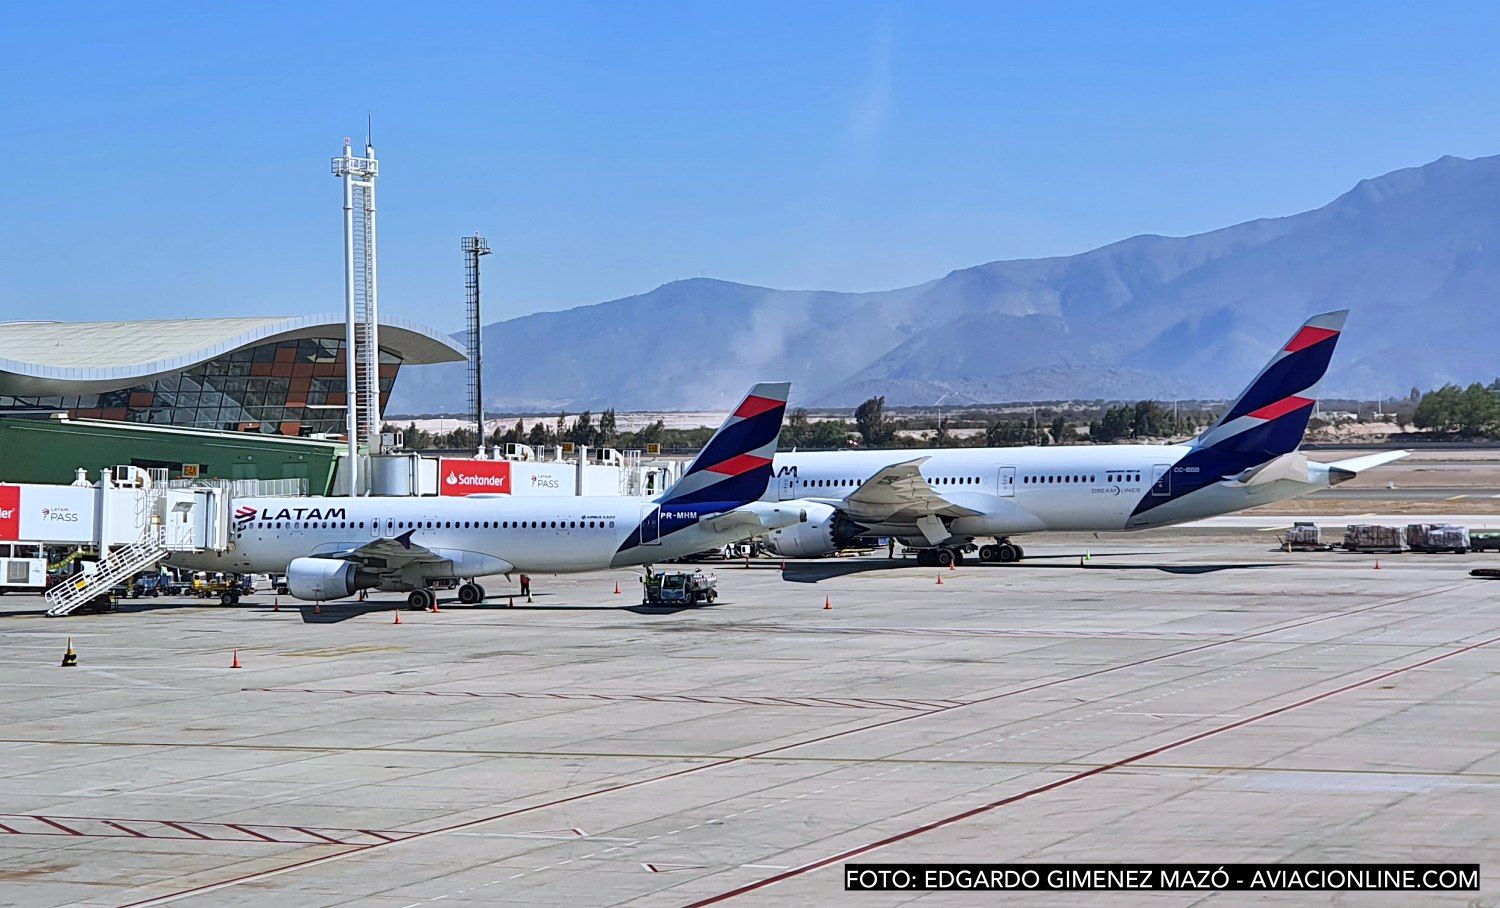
x=941, y=501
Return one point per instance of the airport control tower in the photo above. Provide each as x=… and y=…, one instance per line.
x=361, y=302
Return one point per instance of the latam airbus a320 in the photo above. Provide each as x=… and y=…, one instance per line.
x=945, y=501
x=331, y=548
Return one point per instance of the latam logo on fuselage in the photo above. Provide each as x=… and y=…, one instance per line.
x=247, y=514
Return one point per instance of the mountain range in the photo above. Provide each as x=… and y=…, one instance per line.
x=1415, y=254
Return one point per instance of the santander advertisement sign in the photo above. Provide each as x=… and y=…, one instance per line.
x=467, y=477
x=10, y=512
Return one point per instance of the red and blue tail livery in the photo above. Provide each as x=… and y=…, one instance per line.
x=735, y=466
x=1267, y=420
x=732, y=470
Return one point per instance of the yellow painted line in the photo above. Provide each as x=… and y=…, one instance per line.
x=1455, y=497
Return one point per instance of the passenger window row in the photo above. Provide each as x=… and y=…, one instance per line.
x=439, y=525
x=1051, y=479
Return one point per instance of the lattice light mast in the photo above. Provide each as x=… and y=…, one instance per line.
x=474, y=247
x=361, y=303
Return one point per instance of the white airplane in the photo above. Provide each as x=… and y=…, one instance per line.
x=330, y=548
x=941, y=500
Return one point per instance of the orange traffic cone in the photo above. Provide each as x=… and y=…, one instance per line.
x=940, y=580
x=435, y=608
x=952, y=565
x=1377, y=564
x=398, y=617
x=1080, y=561
x=235, y=662
x=276, y=604
x=317, y=608
x=617, y=587
x=783, y=567
x=827, y=602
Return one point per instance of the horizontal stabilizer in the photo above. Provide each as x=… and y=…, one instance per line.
x=1345, y=470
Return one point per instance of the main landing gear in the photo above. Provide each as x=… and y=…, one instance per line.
x=939, y=557
x=470, y=593
x=421, y=600
x=1005, y=552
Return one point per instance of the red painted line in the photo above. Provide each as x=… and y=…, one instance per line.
x=1080, y=776
x=58, y=825
x=728, y=761
x=377, y=835
x=139, y=835
x=185, y=829
x=398, y=832
x=319, y=835
x=5, y=828
x=264, y=838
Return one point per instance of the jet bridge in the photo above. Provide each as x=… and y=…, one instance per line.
x=130, y=516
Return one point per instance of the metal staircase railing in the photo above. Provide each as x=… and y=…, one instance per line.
x=122, y=564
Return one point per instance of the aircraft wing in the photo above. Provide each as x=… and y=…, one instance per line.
x=900, y=492
x=387, y=554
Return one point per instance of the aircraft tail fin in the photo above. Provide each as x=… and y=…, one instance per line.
x=735, y=466
x=1270, y=416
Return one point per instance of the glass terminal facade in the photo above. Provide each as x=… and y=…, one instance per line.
x=293, y=387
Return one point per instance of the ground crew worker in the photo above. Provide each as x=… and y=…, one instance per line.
x=525, y=586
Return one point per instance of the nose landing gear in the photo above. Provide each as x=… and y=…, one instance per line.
x=470, y=593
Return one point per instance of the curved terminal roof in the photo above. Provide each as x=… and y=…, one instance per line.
x=41, y=358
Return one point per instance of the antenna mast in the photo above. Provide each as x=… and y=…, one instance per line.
x=474, y=247
x=361, y=304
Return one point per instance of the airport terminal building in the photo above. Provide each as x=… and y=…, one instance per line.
x=282, y=376
x=232, y=398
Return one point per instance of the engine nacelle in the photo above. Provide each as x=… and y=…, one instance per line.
x=322, y=579
x=824, y=532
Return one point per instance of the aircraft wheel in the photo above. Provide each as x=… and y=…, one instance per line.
x=987, y=553
x=942, y=557
x=470, y=594
x=1009, y=553
x=420, y=600
x=925, y=558
x=226, y=599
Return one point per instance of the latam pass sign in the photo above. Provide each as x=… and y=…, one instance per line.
x=45, y=513
x=470, y=477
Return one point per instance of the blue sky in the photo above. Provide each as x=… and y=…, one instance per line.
x=172, y=159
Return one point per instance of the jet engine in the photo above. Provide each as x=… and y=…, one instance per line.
x=322, y=579
x=824, y=532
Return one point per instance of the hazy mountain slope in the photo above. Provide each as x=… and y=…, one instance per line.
x=1415, y=254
